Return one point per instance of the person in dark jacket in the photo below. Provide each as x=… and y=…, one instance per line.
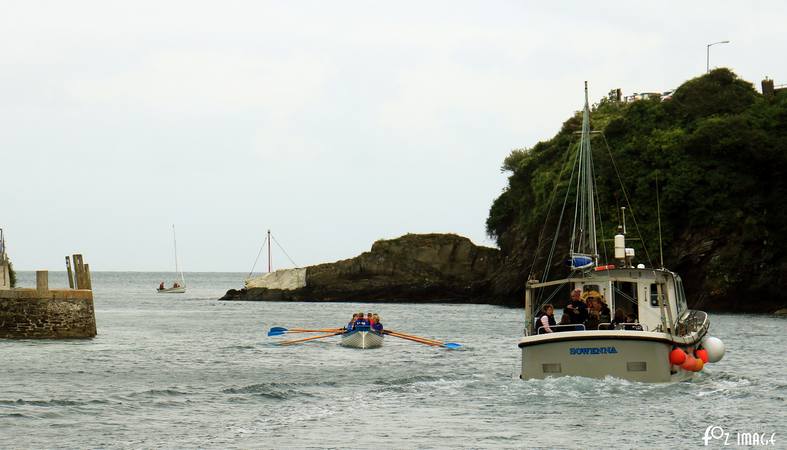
x=576, y=308
x=605, y=315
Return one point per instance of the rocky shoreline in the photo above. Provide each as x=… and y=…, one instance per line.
x=436, y=268
x=430, y=268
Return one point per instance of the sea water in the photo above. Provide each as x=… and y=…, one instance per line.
x=190, y=371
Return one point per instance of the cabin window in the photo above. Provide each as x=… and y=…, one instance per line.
x=680, y=294
x=654, y=295
x=591, y=287
x=626, y=296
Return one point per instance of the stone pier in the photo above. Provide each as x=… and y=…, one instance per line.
x=44, y=313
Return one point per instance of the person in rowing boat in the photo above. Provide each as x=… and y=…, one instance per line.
x=577, y=310
x=351, y=325
x=378, y=326
x=545, y=319
x=360, y=321
x=370, y=319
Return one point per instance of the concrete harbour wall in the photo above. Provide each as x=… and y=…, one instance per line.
x=43, y=313
x=29, y=314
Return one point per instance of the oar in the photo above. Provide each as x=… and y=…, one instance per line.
x=295, y=341
x=278, y=331
x=408, y=336
x=435, y=342
x=422, y=340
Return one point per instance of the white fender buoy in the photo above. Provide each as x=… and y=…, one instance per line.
x=715, y=348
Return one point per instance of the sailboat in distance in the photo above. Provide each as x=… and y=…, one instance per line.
x=179, y=285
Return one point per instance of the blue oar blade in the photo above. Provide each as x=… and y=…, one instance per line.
x=451, y=345
x=277, y=331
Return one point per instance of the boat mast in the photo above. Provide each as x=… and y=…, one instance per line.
x=583, y=240
x=175, y=242
x=269, y=251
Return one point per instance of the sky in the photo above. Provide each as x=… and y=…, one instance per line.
x=333, y=124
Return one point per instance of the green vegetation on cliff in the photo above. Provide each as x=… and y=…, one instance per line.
x=717, y=153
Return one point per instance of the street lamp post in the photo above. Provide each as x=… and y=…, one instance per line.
x=707, y=55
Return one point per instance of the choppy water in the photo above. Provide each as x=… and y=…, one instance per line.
x=188, y=371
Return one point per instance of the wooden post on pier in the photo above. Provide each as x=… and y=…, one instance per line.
x=79, y=269
x=42, y=281
x=70, y=274
x=81, y=273
x=88, y=281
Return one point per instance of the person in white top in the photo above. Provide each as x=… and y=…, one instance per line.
x=546, y=319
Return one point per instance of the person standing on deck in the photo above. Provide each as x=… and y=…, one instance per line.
x=576, y=308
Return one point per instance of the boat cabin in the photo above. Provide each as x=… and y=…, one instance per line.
x=654, y=296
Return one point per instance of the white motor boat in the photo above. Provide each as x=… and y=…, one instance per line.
x=664, y=342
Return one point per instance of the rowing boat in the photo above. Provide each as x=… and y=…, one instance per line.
x=362, y=337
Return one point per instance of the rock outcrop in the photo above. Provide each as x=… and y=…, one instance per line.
x=414, y=267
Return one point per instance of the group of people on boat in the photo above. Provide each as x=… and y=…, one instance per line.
x=174, y=285
x=588, y=311
x=371, y=320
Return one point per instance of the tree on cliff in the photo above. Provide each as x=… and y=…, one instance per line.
x=717, y=153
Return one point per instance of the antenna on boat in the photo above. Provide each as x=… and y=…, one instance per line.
x=658, y=213
x=623, y=217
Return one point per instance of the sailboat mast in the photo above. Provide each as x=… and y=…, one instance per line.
x=590, y=212
x=587, y=242
x=583, y=235
x=269, y=251
x=175, y=242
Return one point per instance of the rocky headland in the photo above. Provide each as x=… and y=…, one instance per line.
x=411, y=268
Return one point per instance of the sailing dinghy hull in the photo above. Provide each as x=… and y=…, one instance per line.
x=177, y=290
x=362, y=339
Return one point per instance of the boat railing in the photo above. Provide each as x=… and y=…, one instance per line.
x=572, y=327
x=692, y=321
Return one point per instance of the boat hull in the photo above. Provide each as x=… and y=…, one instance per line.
x=631, y=355
x=177, y=290
x=362, y=339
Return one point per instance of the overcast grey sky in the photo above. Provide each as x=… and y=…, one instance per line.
x=334, y=124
